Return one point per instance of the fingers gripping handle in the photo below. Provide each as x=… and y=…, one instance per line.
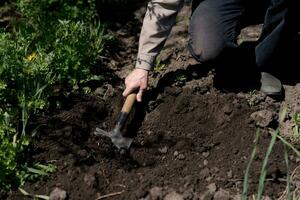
x=127, y=106
x=129, y=103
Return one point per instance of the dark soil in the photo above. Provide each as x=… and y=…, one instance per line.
x=189, y=136
x=187, y=140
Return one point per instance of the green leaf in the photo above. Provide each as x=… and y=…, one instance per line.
x=247, y=172
x=263, y=171
x=37, y=171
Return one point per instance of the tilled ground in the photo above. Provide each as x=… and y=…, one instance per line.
x=193, y=141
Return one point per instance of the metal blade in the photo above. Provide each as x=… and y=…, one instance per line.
x=100, y=132
x=116, y=137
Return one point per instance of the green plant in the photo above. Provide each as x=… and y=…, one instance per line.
x=288, y=179
x=295, y=127
x=247, y=172
x=53, y=44
x=251, y=98
x=11, y=149
x=159, y=66
x=275, y=135
x=180, y=79
x=33, y=196
x=263, y=172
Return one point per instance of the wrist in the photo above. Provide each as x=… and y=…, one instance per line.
x=143, y=70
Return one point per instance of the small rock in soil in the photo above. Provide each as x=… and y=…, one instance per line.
x=263, y=118
x=204, y=173
x=156, y=193
x=58, y=194
x=110, y=92
x=206, y=196
x=235, y=101
x=188, y=194
x=173, y=91
x=100, y=91
x=229, y=174
x=175, y=153
x=181, y=157
x=66, y=132
x=227, y=109
x=215, y=170
x=205, y=154
x=163, y=150
x=208, y=179
x=173, y=196
x=220, y=120
x=205, y=162
x=90, y=180
x=212, y=188
x=241, y=95
x=153, y=105
x=222, y=195
x=82, y=153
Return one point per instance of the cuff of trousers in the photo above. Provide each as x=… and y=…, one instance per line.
x=145, y=62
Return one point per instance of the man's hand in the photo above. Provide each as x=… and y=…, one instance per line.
x=136, y=80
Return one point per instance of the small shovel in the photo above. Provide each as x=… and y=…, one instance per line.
x=122, y=143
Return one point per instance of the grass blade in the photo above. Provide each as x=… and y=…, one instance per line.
x=247, y=172
x=289, y=195
x=287, y=144
x=263, y=171
x=37, y=171
x=24, y=192
x=45, y=197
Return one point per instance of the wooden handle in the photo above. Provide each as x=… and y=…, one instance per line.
x=129, y=103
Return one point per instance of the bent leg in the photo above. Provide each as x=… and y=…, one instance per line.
x=214, y=26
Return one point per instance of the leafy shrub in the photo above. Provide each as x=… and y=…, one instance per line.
x=10, y=151
x=52, y=42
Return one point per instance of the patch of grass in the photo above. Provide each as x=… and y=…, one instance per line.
x=261, y=186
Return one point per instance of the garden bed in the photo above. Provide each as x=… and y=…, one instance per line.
x=193, y=139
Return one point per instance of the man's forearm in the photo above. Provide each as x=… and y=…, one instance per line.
x=158, y=21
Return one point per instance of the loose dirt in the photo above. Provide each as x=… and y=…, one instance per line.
x=193, y=140
x=187, y=140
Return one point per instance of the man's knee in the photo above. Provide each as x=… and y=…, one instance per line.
x=206, y=40
x=204, y=52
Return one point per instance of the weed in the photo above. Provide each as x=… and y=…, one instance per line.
x=33, y=196
x=159, y=66
x=180, y=79
x=247, y=172
x=275, y=135
x=295, y=127
x=263, y=172
x=251, y=97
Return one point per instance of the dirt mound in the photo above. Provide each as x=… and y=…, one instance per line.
x=188, y=143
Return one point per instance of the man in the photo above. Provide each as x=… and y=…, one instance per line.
x=214, y=27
